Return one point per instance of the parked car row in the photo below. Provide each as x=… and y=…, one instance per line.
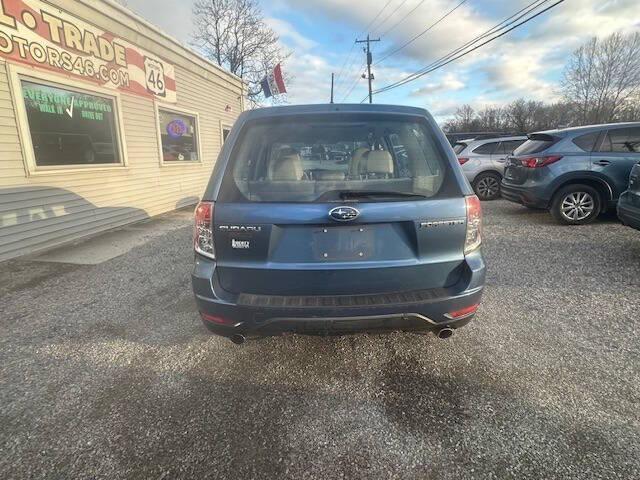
x=388, y=236
x=574, y=173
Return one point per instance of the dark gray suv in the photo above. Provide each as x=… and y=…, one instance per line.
x=576, y=173
x=290, y=239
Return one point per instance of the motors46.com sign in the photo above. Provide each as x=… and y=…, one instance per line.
x=43, y=36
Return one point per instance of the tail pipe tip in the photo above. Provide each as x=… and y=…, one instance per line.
x=444, y=332
x=237, y=338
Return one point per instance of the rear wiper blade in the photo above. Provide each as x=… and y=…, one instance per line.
x=347, y=194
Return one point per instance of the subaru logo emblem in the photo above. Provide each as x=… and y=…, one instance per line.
x=344, y=214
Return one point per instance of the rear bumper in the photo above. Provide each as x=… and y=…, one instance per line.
x=629, y=209
x=257, y=315
x=524, y=196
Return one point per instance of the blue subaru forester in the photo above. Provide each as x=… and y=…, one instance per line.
x=291, y=238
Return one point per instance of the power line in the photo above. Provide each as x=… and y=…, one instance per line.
x=352, y=46
x=353, y=85
x=415, y=37
x=348, y=71
x=351, y=58
x=499, y=26
x=421, y=33
x=455, y=54
x=376, y=17
x=402, y=19
x=389, y=16
x=441, y=63
x=345, y=61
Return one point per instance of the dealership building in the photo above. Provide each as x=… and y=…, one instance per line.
x=104, y=121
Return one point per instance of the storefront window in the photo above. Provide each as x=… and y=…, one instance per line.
x=69, y=127
x=178, y=132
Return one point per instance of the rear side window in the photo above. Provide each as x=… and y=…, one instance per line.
x=509, y=146
x=295, y=159
x=537, y=143
x=587, y=141
x=459, y=147
x=622, y=140
x=487, y=148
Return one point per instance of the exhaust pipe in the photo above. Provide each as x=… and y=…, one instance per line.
x=444, y=332
x=237, y=338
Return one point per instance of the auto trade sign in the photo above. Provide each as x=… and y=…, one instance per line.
x=36, y=33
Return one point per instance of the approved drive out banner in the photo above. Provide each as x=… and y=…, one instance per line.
x=35, y=33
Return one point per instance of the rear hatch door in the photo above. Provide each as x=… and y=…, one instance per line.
x=515, y=172
x=399, y=212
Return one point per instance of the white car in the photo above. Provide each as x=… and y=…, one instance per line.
x=483, y=162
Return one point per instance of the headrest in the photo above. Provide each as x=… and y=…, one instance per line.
x=356, y=165
x=329, y=175
x=379, y=161
x=286, y=167
x=360, y=152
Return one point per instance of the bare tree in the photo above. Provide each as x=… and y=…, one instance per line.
x=465, y=115
x=520, y=116
x=464, y=120
x=233, y=34
x=491, y=119
x=556, y=115
x=524, y=115
x=602, y=78
x=630, y=112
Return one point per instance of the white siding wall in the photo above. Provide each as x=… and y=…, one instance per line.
x=41, y=211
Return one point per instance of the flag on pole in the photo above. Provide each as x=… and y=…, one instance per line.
x=273, y=83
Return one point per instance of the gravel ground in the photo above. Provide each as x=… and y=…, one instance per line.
x=106, y=372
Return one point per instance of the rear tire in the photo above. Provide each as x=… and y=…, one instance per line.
x=576, y=205
x=487, y=186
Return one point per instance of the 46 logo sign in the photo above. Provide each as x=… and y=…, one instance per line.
x=154, y=73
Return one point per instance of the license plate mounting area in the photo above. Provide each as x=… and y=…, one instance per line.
x=343, y=243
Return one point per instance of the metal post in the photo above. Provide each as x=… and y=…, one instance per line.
x=331, y=87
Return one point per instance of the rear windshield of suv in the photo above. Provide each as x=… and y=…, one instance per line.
x=324, y=158
x=537, y=143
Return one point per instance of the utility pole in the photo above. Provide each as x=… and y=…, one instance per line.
x=331, y=87
x=369, y=76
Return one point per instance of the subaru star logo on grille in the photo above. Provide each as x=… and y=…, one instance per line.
x=344, y=214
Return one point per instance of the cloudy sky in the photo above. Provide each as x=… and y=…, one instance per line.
x=320, y=34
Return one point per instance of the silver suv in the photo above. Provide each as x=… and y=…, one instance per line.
x=483, y=162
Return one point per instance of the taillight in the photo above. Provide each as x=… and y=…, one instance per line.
x=463, y=312
x=462, y=160
x=474, y=224
x=203, y=230
x=216, y=319
x=537, y=162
